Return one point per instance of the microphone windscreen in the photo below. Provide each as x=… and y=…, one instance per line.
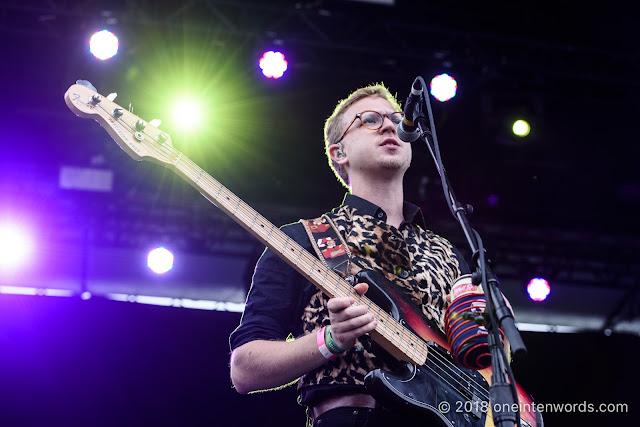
x=407, y=136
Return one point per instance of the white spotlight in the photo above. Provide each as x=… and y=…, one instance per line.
x=160, y=260
x=103, y=45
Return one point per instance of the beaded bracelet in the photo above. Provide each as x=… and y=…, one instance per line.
x=322, y=345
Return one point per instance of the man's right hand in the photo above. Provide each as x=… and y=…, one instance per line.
x=348, y=320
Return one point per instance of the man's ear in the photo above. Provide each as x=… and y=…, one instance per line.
x=337, y=153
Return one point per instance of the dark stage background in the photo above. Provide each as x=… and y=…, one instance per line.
x=569, y=196
x=68, y=362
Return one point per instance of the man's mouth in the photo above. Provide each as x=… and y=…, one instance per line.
x=389, y=141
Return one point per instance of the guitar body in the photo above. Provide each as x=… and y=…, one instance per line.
x=445, y=393
x=420, y=389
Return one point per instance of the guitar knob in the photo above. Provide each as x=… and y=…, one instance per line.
x=140, y=125
x=118, y=112
x=162, y=138
x=95, y=99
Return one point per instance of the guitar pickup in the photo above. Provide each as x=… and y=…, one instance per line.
x=478, y=407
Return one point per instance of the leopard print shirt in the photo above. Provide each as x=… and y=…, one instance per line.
x=422, y=264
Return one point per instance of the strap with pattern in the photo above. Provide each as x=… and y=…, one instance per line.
x=328, y=243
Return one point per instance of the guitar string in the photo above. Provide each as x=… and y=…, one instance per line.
x=445, y=366
x=167, y=149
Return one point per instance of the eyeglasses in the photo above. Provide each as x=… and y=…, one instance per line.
x=374, y=120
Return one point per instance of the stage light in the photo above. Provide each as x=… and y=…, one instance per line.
x=521, y=128
x=443, y=87
x=273, y=64
x=16, y=246
x=538, y=289
x=103, y=45
x=160, y=260
x=187, y=114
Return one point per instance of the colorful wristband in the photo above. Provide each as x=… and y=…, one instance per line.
x=322, y=345
x=331, y=344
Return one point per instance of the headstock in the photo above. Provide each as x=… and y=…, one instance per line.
x=136, y=137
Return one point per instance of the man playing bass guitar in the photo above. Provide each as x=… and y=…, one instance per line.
x=332, y=351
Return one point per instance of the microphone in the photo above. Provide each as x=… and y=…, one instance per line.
x=407, y=130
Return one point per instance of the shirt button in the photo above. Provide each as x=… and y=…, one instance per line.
x=404, y=274
x=412, y=233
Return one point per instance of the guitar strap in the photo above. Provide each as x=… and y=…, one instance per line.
x=328, y=244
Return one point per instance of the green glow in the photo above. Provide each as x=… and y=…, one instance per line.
x=212, y=101
x=187, y=114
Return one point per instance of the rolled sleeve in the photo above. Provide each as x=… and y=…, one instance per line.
x=277, y=296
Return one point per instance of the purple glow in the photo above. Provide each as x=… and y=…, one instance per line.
x=538, y=289
x=493, y=199
x=16, y=246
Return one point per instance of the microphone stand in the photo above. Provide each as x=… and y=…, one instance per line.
x=503, y=393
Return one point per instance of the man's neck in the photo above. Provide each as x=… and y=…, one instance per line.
x=387, y=195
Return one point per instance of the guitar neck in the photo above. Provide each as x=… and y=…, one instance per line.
x=267, y=233
x=389, y=333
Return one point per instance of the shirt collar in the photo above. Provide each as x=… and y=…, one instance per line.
x=412, y=213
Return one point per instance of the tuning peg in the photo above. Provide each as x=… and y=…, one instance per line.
x=112, y=96
x=130, y=108
x=155, y=122
x=140, y=125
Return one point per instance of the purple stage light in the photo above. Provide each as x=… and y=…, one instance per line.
x=273, y=64
x=538, y=289
x=16, y=246
x=443, y=87
x=160, y=260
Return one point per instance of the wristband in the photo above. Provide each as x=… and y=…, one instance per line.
x=322, y=345
x=331, y=344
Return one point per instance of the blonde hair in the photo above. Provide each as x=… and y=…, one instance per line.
x=334, y=126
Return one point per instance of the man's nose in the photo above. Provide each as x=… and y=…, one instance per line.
x=387, y=124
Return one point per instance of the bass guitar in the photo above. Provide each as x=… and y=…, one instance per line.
x=430, y=381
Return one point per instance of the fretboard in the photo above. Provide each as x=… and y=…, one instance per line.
x=389, y=333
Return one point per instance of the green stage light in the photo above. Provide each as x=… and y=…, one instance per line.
x=187, y=114
x=521, y=128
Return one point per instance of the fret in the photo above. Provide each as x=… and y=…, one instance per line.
x=313, y=267
x=253, y=222
x=324, y=279
x=235, y=209
x=178, y=159
x=299, y=255
x=217, y=196
x=268, y=238
x=284, y=248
